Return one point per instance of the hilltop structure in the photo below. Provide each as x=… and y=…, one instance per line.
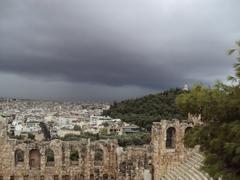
x=185, y=88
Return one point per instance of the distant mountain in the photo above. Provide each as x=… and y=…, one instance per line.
x=151, y=108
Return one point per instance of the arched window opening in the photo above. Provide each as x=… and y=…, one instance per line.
x=74, y=157
x=171, y=138
x=34, y=159
x=19, y=156
x=187, y=135
x=49, y=154
x=188, y=130
x=98, y=156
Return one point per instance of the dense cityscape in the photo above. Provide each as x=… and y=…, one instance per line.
x=32, y=118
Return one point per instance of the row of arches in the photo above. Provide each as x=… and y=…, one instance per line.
x=171, y=137
x=65, y=177
x=35, y=157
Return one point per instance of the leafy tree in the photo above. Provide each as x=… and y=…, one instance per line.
x=236, y=66
x=103, y=131
x=219, y=138
x=136, y=139
x=219, y=103
x=45, y=130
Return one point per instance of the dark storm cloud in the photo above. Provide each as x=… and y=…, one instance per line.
x=148, y=44
x=98, y=64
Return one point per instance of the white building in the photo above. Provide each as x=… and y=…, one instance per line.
x=17, y=127
x=185, y=88
x=99, y=120
x=32, y=127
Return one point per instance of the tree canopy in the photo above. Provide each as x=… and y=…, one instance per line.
x=143, y=111
x=219, y=138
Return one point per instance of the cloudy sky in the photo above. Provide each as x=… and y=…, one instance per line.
x=113, y=49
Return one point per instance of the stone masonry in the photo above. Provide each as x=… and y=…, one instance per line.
x=97, y=160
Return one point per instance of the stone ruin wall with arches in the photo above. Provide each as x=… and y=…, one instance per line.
x=168, y=145
x=97, y=160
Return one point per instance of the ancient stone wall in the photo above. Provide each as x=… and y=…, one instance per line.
x=167, y=144
x=97, y=160
x=134, y=163
x=75, y=160
x=72, y=160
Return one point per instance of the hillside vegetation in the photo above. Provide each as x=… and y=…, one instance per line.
x=136, y=139
x=219, y=138
x=143, y=111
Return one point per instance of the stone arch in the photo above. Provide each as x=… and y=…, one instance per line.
x=49, y=156
x=189, y=128
x=19, y=156
x=171, y=138
x=74, y=156
x=34, y=159
x=186, y=131
x=98, y=155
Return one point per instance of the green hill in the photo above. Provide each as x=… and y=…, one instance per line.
x=143, y=111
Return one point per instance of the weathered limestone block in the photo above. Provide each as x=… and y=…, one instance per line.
x=168, y=146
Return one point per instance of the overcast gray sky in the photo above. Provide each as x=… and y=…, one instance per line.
x=113, y=49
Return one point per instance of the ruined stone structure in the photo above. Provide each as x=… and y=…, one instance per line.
x=86, y=160
x=59, y=160
x=168, y=146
